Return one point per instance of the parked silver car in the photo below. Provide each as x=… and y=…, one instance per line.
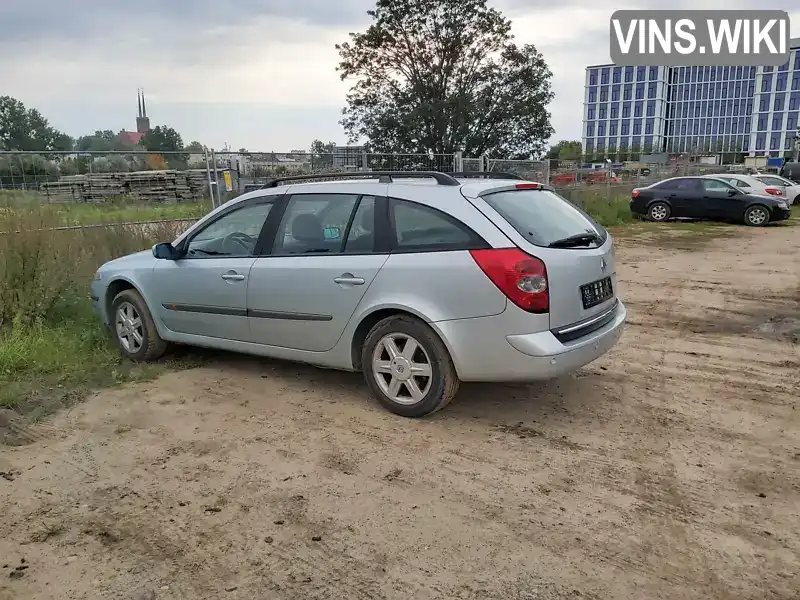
x=790, y=188
x=419, y=280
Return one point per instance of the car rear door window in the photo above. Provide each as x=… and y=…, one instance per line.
x=716, y=185
x=422, y=228
x=361, y=235
x=314, y=224
x=542, y=216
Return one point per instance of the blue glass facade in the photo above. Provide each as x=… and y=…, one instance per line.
x=743, y=110
x=624, y=109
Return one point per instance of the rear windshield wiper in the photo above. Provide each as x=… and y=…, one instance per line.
x=573, y=241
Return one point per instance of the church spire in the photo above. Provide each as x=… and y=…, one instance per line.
x=144, y=108
x=139, y=100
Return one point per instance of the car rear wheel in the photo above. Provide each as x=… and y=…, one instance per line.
x=408, y=368
x=756, y=216
x=658, y=211
x=134, y=329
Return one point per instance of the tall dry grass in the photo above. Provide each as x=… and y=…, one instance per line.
x=50, y=339
x=40, y=267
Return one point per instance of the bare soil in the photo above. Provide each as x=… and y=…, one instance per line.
x=668, y=469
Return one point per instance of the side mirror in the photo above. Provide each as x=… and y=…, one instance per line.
x=732, y=192
x=165, y=251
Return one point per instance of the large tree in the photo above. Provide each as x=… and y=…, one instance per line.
x=162, y=139
x=442, y=76
x=566, y=150
x=24, y=128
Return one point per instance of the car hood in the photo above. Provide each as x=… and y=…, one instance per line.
x=143, y=258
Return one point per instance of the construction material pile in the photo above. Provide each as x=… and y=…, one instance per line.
x=137, y=186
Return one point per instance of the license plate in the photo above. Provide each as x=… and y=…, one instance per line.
x=596, y=292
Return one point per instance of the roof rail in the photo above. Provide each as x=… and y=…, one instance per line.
x=381, y=176
x=485, y=175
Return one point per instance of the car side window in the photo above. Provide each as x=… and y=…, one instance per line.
x=686, y=185
x=361, y=237
x=422, y=228
x=234, y=234
x=742, y=184
x=314, y=224
x=715, y=185
x=667, y=185
x=772, y=181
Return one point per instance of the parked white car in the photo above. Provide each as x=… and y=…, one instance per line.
x=750, y=185
x=791, y=188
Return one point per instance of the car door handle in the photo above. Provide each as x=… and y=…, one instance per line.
x=233, y=277
x=349, y=279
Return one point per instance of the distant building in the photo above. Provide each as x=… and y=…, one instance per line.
x=142, y=123
x=743, y=111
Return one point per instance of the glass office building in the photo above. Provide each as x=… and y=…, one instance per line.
x=745, y=111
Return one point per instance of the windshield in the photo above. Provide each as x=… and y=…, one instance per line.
x=543, y=217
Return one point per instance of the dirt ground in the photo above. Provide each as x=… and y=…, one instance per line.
x=668, y=469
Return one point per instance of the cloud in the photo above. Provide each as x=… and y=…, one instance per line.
x=254, y=73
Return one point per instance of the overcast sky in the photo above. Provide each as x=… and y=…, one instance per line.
x=252, y=73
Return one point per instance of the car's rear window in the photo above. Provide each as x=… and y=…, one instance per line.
x=542, y=216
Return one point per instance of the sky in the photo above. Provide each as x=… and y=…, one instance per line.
x=258, y=74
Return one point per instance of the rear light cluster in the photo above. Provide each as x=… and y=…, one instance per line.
x=774, y=191
x=520, y=276
x=635, y=193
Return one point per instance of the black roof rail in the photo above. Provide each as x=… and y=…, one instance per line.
x=382, y=176
x=485, y=175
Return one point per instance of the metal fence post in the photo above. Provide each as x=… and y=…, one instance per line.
x=364, y=161
x=208, y=175
x=458, y=162
x=482, y=162
x=218, y=202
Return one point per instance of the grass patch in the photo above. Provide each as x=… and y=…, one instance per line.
x=53, y=348
x=119, y=210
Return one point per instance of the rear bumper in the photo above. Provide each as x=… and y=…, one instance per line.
x=482, y=353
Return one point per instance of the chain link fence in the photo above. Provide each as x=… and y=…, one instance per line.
x=175, y=177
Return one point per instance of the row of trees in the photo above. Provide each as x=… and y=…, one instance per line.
x=23, y=128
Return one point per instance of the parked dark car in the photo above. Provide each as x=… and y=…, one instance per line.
x=791, y=170
x=706, y=198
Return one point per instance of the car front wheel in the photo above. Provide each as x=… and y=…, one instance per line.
x=756, y=216
x=134, y=329
x=408, y=367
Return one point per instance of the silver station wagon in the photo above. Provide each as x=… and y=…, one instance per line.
x=418, y=279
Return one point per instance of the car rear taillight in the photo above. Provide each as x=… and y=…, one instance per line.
x=520, y=276
x=528, y=186
x=774, y=191
x=635, y=193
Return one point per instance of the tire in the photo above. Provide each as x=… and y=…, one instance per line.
x=756, y=216
x=659, y=211
x=129, y=304
x=436, y=390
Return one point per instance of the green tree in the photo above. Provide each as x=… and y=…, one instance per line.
x=445, y=75
x=322, y=153
x=26, y=129
x=195, y=148
x=566, y=150
x=162, y=139
x=100, y=141
x=168, y=142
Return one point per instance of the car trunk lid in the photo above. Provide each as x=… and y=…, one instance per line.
x=577, y=252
